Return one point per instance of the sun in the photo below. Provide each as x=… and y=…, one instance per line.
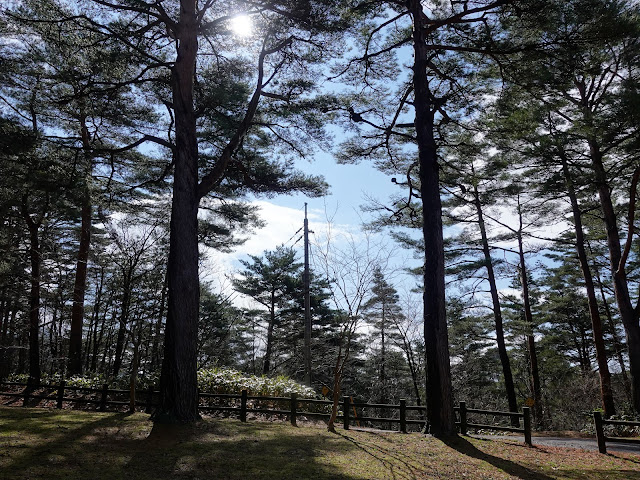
x=242, y=25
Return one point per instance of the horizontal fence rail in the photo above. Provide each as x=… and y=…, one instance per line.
x=290, y=406
x=603, y=439
x=464, y=423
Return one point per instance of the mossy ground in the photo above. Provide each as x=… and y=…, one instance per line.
x=54, y=444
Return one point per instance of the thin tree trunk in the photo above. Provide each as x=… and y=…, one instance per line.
x=123, y=319
x=614, y=333
x=531, y=342
x=4, y=343
x=606, y=393
x=440, y=414
x=628, y=313
x=98, y=343
x=269, y=348
x=497, y=313
x=178, y=379
x=155, y=349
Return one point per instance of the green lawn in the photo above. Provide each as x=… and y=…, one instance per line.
x=53, y=444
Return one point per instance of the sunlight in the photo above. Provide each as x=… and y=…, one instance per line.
x=242, y=25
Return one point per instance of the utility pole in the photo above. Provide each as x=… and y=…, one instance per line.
x=307, y=304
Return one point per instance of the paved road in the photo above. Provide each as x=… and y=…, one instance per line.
x=582, y=443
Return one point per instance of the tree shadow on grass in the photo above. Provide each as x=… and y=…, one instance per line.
x=43, y=438
x=465, y=447
x=56, y=446
x=220, y=450
x=396, y=464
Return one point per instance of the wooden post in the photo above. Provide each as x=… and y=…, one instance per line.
x=527, y=425
x=345, y=413
x=463, y=418
x=149, y=404
x=294, y=406
x=103, y=398
x=60, y=394
x=602, y=445
x=243, y=406
x=403, y=415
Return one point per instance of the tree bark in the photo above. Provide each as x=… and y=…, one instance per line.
x=79, y=289
x=440, y=414
x=614, y=333
x=606, y=393
x=178, y=379
x=628, y=313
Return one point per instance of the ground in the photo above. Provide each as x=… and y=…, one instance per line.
x=55, y=444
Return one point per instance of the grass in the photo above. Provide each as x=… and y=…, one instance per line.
x=54, y=444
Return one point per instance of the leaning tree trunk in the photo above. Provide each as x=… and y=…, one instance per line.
x=178, y=379
x=606, y=393
x=440, y=414
x=628, y=313
x=614, y=334
x=497, y=312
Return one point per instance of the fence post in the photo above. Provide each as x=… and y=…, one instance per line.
x=103, y=398
x=463, y=418
x=294, y=407
x=243, y=406
x=148, y=406
x=597, y=418
x=60, y=394
x=527, y=425
x=403, y=415
x=345, y=414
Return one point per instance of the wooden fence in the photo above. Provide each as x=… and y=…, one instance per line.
x=603, y=439
x=242, y=403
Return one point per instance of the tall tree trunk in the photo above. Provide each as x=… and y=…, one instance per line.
x=497, y=312
x=123, y=319
x=606, y=393
x=79, y=289
x=178, y=379
x=440, y=414
x=383, y=354
x=34, y=295
x=98, y=342
x=155, y=348
x=269, y=347
x=95, y=315
x=628, y=313
x=4, y=340
x=614, y=333
x=531, y=342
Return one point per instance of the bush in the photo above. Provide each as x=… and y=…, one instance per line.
x=227, y=380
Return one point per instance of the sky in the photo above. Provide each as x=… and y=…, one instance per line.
x=350, y=186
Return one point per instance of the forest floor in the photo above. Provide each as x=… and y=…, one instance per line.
x=57, y=444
